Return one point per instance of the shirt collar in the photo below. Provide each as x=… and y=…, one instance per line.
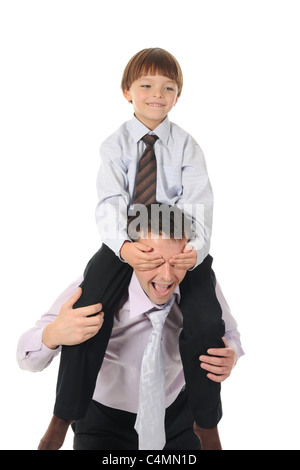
x=139, y=302
x=138, y=130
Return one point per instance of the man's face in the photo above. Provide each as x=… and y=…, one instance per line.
x=160, y=283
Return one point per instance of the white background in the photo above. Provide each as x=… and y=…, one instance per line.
x=61, y=66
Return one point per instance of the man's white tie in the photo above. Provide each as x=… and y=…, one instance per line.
x=150, y=421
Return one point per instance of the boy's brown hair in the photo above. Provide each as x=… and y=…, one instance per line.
x=152, y=61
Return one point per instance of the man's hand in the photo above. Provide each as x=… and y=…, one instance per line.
x=185, y=260
x=139, y=256
x=73, y=326
x=221, y=366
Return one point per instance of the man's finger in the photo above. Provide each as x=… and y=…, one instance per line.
x=214, y=369
x=225, y=352
x=73, y=299
x=95, y=319
x=217, y=378
x=215, y=361
x=221, y=352
x=225, y=342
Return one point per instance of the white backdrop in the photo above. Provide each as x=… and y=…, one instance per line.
x=61, y=66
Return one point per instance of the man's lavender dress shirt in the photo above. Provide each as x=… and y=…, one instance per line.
x=118, y=380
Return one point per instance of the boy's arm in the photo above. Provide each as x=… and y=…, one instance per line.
x=113, y=197
x=112, y=209
x=197, y=199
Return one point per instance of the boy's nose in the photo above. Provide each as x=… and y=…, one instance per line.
x=157, y=93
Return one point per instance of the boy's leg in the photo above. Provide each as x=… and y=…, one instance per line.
x=106, y=279
x=203, y=328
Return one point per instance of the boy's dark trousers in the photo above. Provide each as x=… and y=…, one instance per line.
x=106, y=280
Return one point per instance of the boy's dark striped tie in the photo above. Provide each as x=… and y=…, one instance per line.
x=145, y=190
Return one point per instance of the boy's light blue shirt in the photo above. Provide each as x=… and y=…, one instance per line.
x=182, y=180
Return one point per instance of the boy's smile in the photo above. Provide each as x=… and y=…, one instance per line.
x=152, y=96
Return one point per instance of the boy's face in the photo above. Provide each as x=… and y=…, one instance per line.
x=160, y=283
x=152, y=96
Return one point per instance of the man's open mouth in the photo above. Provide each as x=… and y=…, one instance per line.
x=162, y=290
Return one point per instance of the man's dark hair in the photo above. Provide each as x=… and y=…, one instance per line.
x=158, y=220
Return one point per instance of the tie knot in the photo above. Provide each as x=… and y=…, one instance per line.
x=158, y=318
x=149, y=139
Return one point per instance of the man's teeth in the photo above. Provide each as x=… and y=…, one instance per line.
x=161, y=289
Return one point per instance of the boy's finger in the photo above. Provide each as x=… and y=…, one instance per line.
x=182, y=256
x=180, y=262
x=143, y=247
x=148, y=266
x=188, y=248
x=150, y=257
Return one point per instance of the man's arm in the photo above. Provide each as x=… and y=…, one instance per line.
x=73, y=326
x=60, y=325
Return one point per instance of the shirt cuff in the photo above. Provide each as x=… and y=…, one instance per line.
x=33, y=355
x=233, y=339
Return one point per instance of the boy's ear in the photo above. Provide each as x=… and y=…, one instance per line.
x=127, y=95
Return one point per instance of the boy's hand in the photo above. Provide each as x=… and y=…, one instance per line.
x=185, y=260
x=139, y=256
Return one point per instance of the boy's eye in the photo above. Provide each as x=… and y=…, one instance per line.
x=145, y=86
x=170, y=88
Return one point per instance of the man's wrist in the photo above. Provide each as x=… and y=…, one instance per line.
x=47, y=337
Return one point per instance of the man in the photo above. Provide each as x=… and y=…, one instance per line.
x=110, y=421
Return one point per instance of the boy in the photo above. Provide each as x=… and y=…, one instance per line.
x=152, y=82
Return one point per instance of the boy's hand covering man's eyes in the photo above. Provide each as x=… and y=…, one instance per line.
x=185, y=260
x=139, y=256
